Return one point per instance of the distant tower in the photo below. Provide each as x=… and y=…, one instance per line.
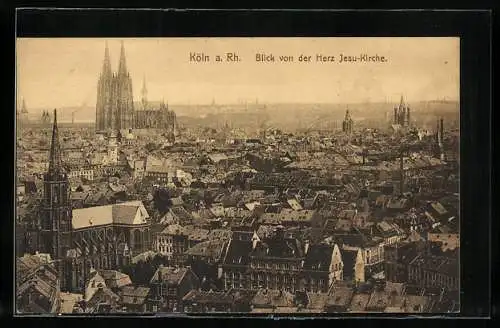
x=402, y=113
x=123, y=94
x=439, y=145
x=144, y=93
x=347, y=124
x=104, y=94
x=22, y=114
x=408, y=115
x=56, y=218
x=24, y=110
x=441, y=139
x=112, y=148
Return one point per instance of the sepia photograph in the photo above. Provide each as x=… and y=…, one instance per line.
x=237, y=175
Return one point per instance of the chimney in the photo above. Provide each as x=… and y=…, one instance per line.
x=438, y=138
x=402, y=177
x=441, y=129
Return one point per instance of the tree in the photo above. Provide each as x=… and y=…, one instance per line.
x=162, y=200
x=151, y=147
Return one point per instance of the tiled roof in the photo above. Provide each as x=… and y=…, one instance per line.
x=115, y=279
x=133, y=295
x=278, y=247
x=199, y=296
x=273, y=298
x=341, y=296
x=211, y=248
x=378, y=300
x=317, y=301
x=170, y=275
x=318, y=257
x=130, y=213
x=238, y=252
x=359, y=302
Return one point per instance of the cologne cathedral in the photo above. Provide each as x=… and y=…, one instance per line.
x=115, y=106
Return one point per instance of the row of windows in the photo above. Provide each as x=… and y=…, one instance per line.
x=433, y=279
x=205, y=309
x=165, y=240
x=165, y=249
x=279, y=266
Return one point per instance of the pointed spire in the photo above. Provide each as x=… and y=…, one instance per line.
x=122, y=67
x=106, y=66
x=144, y=90
x=401, y=102
x=144, y=93
x=55, y=160
x=23, y=107
x=347, y=115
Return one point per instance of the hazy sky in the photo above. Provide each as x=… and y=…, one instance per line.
x=63, y=72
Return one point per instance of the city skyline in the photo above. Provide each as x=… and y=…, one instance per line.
x=421, y=69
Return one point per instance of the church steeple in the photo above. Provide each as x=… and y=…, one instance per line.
x=347, y=123
x=55, y=234
x=122, y=66
x=55, y=159
x=24, y=110
x=106, y=66
x=144, y=93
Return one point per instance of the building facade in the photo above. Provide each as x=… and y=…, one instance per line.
x=280, y=263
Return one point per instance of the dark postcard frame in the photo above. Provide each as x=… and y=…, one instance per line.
x=473, y=27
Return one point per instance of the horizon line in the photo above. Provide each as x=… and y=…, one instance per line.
x=252, y=103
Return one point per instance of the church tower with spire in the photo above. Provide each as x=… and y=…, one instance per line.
x=144, y=94
x=348, y=123
x=104, y=94
x=114, y=107
x=123, y=95
x=402, y=113
x=56, y=219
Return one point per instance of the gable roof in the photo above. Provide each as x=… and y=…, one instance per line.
x=318, y=257
x=132, y=295
x=130, y=213
x=115, y=279
x=278, y=247
x=169, y=275
x=238, y=252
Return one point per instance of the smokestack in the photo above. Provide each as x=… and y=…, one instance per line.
x=408, y=115
x=395, y=115
x=306, y=246
x=437, y=132
x=401, y=186
x=441, y=129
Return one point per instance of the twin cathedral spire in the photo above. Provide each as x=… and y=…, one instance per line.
x=115, y=107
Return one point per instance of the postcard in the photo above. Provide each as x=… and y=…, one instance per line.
x=290, y=175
